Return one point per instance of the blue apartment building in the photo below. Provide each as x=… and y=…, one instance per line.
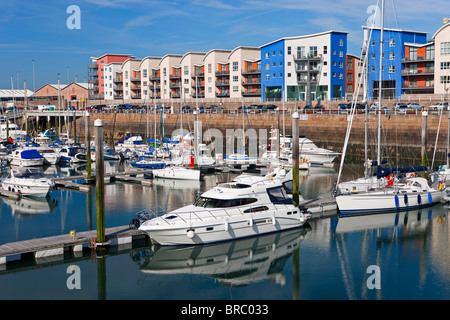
x=288, y=64
x=393, y=54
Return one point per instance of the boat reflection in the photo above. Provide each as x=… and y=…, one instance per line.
x=231, y=263
x=417, y=219
x=31, y=206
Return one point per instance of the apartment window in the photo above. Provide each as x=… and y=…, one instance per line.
x=267, y=76
x=325, y=74
x=126, y=74
x=341, y=53
x=274, y=76
x=281, y=75
x=145, y=92
x=281, y=53
x=413, y=83
x=144, y=83
x=413, y=68
x=412, y=53
x=281, y=64
x=373, y=56
x=429, y=82
x=445, y=79
x=349, y=88
x=274, y=64
x=373, y=43
x=126, y=84
x=209, y=79
x=273, y=53
x=350, y=64
x=209, y=89
x=391, y=55
x=325, y=50
x=341, y=64
x=288, y=50
x=235, y=88
x=267, y=55
x=313, y=51
x=341, y=75
x=334, y=52
x=235, y=79
x=209, y=68
x=391, y=42
x=235, y=65
x=334, y=74
x=430, y=52
x=186, y=70
x=186, y=81
x=289, y=75
x=391, y=69
x=144, y=73
x=445, y=48
x=350, y=77
x=301, y=52
x=341, y=42
x=445, y=65
x=267, y=66
x=164, y=71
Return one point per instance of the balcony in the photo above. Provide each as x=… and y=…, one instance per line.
x=223, y=94
x=175, y=85
x=154, y=77
x=199, y=95
x=136, y=96
x=199, y=85
x=222, y=73
x=135, y=79
x=253, y=82
x=307, y=58
x=251, y=71
x=198, y=75
x=222, y=84
x=93, y=81
x=303, y=81
x=117, y=80
x=420, y=72
x=175, y=76
x=418, y=59
x=253, y=93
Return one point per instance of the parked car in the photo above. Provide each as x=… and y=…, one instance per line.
x=415, y=106
x=439, y=106
x=307, y=107
x=375, y=106
x=319, y=108
x=271, y=107
x=187, y=109
x=400, y=106
x=361, y=106
x=344, y=106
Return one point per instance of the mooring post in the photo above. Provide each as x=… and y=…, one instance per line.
x=99, y=181
x=424, y=138
x=295, y=159
x=88, y=146
x=196, y=139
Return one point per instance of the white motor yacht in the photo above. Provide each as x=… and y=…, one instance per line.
x=229, y=211
x=28, y=182
x=26, y=158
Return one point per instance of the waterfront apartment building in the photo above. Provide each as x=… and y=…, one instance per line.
x=96, y=75
x=354, y=84
x=297, y=67
x=442, y=60
x=393, y=59
x=418, y=68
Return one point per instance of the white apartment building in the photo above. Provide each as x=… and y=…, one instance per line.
x=241, y=83
x=217, y=74
x=131, y=79
x=442, y=61
x=112, y=84
x=148, y=67
x=192, y=78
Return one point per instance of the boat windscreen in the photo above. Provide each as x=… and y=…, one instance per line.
x=223, y=203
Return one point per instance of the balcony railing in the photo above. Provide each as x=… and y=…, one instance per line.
x=251, y=71
x=420, y=72
x=252, y=82
x=251, y=93
x=417, y=59
x=221, y=94
x=307, y=58
x=222, y=73
x=135, y=79
x=222, y=83
x=198, y=75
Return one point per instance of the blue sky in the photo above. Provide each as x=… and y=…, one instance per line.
x=31, y=29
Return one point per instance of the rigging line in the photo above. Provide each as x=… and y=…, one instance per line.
x=437, y=136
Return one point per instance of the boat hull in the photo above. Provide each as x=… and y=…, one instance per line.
x=27, y=189
x=177, y=173
x=373, y=202
x=224, y=230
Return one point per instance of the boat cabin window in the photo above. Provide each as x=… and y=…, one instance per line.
x=278, y=196
x=256, y=209
x=223, y=203
x=235, y=185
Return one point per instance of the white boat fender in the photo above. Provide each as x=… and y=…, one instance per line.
x=274, y=221
x=250, y=221
x=226, y=225
x=190, y=233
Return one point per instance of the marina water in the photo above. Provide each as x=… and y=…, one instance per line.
x=401, y=255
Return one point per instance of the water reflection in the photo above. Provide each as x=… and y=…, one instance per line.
x=30, y=206
x=232, y=263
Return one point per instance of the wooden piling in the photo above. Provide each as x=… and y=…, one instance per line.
x=99, y=182
x=295, y=159
x=424, y=138
x=88, y=146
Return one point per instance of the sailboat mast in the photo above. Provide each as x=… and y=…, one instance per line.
x=380, y=82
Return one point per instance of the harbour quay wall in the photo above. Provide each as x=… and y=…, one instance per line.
x=401, y=134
